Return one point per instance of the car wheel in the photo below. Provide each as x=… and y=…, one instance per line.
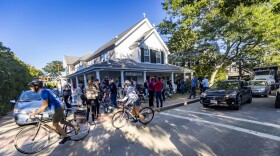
x=238, y=103
x=250, y=99
x=206, y=106
x=277, y=102
x=266, y=95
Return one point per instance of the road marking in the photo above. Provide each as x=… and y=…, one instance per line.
x=256, y=133
x=235, y=118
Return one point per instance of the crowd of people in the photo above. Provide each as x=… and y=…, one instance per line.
x=104, y=93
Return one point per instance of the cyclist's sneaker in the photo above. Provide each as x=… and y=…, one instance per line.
x=64, y=140
x=141, y=116
x=77, y=129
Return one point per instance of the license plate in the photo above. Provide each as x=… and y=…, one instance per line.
x=213, y=101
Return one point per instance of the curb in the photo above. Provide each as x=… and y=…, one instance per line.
x=178, y=104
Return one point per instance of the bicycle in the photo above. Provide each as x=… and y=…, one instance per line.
x=121, y=118
x=35, y=138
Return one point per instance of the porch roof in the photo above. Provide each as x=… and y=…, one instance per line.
x=131, y=65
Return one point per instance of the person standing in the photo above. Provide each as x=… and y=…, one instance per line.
x=205, y=83
x=164, y=87
x=182, y=86
x=55, y=91
x=91, y=93
x=79, y=92
x=66, y=96
x=97, y=99
x=158, y=89
x=146, y=89
x=151, y=88
x=194, y=84
x=113, y=93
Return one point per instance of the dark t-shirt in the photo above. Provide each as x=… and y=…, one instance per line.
x=113, y=88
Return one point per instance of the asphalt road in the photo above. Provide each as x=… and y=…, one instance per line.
x=190, y=130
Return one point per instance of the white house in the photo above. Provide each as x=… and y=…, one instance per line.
x=137, y=54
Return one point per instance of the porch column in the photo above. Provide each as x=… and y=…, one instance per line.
x=144, y=75
x=77, y=81
x=184, y=76
x=98, y=75
x=172, y=78
x=122, y=78
x=85, y=80
x=71, y=81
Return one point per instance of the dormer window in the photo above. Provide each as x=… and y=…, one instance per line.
x=146, y=55
x=158, y=58
x=105, y=57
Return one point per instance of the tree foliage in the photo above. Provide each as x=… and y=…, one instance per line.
x=54, y=68
x=14, y=76
x=203, y=27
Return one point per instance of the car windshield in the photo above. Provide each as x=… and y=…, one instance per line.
x=31, y=96
x=265, y=72
x=225, y=85
x=257, y=83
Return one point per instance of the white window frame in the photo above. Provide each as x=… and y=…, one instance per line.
x=158, y=56
x=147, y=54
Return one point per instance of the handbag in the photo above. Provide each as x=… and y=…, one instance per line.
x=91, y=94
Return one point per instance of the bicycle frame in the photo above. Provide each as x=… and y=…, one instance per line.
x=41, y=122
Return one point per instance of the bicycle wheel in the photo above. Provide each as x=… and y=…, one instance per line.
x=120, y=119
x=148, y=114
x=83, y=131
x=29, y=141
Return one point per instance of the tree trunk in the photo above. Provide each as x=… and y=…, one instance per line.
x=217, y=67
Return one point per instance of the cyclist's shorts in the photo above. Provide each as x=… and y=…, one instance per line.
x=58, y=115
x=137, y=103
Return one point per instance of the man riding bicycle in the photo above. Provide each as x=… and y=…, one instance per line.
x=132, y=97
x=48, y=100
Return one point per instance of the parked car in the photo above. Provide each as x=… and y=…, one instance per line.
x=29, y=102
x=260, y=87
x=277, y=99
x=230, y=93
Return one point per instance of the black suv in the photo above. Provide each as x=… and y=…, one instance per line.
x=230, y=93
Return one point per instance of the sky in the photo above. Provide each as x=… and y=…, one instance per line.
x=42, y=31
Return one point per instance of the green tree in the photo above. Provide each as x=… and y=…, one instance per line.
x=14, y=76
x=243, y=37
x=54, y=68
x=34, y=72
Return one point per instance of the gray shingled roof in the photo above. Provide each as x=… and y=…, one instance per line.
x=71, y=59
x=86, y=56
x=131, y=64
x=112, y=42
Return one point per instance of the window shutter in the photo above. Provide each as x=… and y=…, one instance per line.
x=153, y=56
x=162, y=57
x=142, y=54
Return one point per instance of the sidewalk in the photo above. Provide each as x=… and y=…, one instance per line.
x=168, y=104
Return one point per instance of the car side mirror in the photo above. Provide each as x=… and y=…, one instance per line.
x=13, y=101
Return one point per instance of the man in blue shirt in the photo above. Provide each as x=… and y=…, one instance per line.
x=205, y=83
x=193, y=87
x=48, y=100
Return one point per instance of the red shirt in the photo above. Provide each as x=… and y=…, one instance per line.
x=158, y=86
